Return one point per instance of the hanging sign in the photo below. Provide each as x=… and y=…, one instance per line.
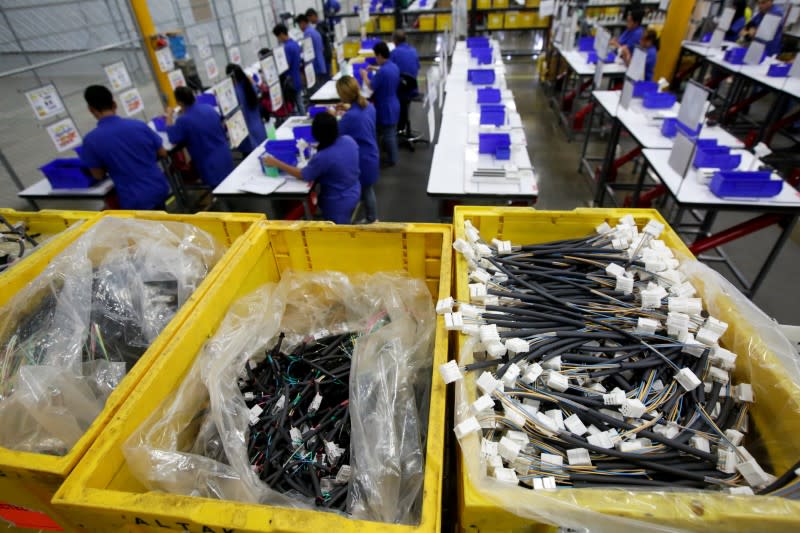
x=166, y=62
x=132, y=102
x=118, y=76
x=64, y=135
x=45, y=102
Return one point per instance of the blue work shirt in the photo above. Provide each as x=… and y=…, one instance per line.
x=200, y=128
x=319, y=49
x=128, y=150
x=631, y=38
x=406, y=58
x=384, y=93
x=359, y=124
x=252, y=117
x=650, y=62
x=294, y=57
x=774, y=46
x=736, y=27
x=335, y=170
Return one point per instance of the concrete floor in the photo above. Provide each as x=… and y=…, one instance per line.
x=401, y=190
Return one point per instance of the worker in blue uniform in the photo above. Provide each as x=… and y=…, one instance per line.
x=765, y=7
x=294, y=58
x=325, y=30
x=649, y=45
x=334, y=167
x=309, y=32
x=248, y=102
x=741, y=16
x=404, y=55
x=633, y=31
x=127, y=150
x=199, y=127
x=358, y=122
x=387, y=106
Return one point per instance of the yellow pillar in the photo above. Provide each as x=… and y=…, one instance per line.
x=148, y=31
x=675, y=26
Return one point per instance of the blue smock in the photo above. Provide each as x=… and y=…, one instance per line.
x=359, y=124
x=128, y=150
x=406, y=58
x=252, y=117
x=319, y=49
x=294, y=57
x=384, y=92
x=631, y=38
x=650, y=62
x=334, y=169
x=736, y=27
x=773, y=47
x=200, y=128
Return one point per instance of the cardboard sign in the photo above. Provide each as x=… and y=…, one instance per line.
x=45, y=102
x=235, y=55
x=269, y=70
x=276, y=96
x=166, y=62
x=237, y=128
x=118, y=76
x=132, y=102
x=693, y=104
x=636, y=68
x=627, y=93
x=598, y=75
x=601, y=40
x=176, y=79
x=64, y=134
x=203, y=47
x=754, y=53
x=726, y=18
x=226, y=96
x=308, y=49
x=311, y=78
x=717, y=38
x=280, y=59
x=768, y=27
x=681, y=155
x=211, y=68
x=794, y=70
x=227, y=36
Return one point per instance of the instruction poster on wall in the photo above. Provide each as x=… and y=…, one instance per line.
x=311, y=78
x=211, y=68
x=226, y=96
x=45, y=102
x=64, y=135
x=203, y=47
x=118, y=76
x=132, y=102
x=308, y=49
x=227, y=36
x=176, y=79
x=276, y=96
x=237, y=128
x=166, y=62
x=269, y=70
x=280, y=59
x=235, y=55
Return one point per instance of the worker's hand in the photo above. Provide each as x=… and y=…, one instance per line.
x=625, y=54
x=270, y=161
x=614, y=43
x=364, y=74
x=170, y=116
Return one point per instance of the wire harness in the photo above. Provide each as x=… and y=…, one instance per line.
x=15, y=242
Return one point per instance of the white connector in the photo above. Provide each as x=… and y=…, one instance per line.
x=647, y=326
x=489, y=333
x=718, y=375
x=700, y=443
x=579, y=457
x=755, y=476
x=726, y=460
x=516, y=346
x=506, y=475
x=689, y=306
x=743, y=392
x=472, y=234
x=686, y=378
x=470, y=425
x=450, y=372
x=615, y=397
x=470, y=311
x=601, y=440
x=552, y=364
x=552, y=461
x=520, y=437
x=503, y=247
x=453, y=321
x=511, y=375
x=629, y=446
x=632, y=408
x=532, y=373
x=575, y=425
x=445, y=305
x=495, y=349
x=556, y=381
x=481, y=250
x=477, y=292
x=483, y=403
x=624, y=285
x=486, y=383
x=547, y=422
x=603, y=228
x=653, y=228
x=489, y=448
x=722, y=358
x=530, y=406
x=508, y=449
x=557, y=416
x=515, y=417
x=480, y=275
x=734, y=436
x=615, y=270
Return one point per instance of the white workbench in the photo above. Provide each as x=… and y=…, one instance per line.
x=42, y=189
x=250, y=168
x=691, y=191
x=415, y=6
x=578, y=63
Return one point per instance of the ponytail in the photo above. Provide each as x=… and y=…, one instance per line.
x=361, y=101
x=350, y=92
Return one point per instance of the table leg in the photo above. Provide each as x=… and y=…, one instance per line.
x=773, y=254
x=773, y=115
x=608, y=160
x=640, y=182
x=588, y=134
x=307, y=207
x=705, y=226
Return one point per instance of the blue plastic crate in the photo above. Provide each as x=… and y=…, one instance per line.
x=160, y=123
x=658, y=100
x=716, y=157
x=735, y=56
x=670, y=127
x=303, y=132
x=489, y=143
x=641, y=88
x=489, y=95
x=67, y=174
x=482, y=55
x=481, y=76
x=207, y=98
x=779, y=70
x=477, y=42
x=733, y=184
x=177, y=45
x=503, y=153
x=493, y=114
x=315, y=110
x=586, y=44
x=591, y=57
x=367, y=44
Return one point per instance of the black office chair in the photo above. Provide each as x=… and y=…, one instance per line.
x=407, y=92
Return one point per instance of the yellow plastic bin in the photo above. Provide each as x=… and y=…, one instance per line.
x=513, y=20
x=29, y=480
x=532, y=3
x=52, y=226
x=351, y=48
x=527, y=19
x=774, y=414
x=427, y=22
x=495, y=21
x=386, y=22
x=483, y=4
x=500, y=4
x=444, y=21
x=101, y=489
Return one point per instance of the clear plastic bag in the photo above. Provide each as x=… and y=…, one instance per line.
x=766, y=359
x=196, y=442
x=72, y=334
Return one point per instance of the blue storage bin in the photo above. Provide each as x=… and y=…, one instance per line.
x=177, y=45
x=482, y=55
x=160, y=123
x=489, y=95
x=493, y=114
x=670, y=127
x=716, y=157
x=480, y=76
x=477, y=42
x=367, y=44
x=591, y=57
x=503, y=154
x=641, y=88
x=489, y=143
x=735, y=56
x=67, y=174
x=706, y=144
x=732, y=184
x=779, y=70
x=371, y=60
x=315, y=110
x=303, y=132
x=586, y=44
x=207, y=98
x=658, y=100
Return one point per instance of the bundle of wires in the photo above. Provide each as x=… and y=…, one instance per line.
x=15, y=242
x=299, y=435
x=597, y=366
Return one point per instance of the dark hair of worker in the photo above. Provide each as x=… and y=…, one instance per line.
x=381, y=49
x=280, y=29
x=324, y=129
x=99, y=98
x=637, y=15
x=240, y=77
x=399, y=37
x=264, y=52
x=301, y=19
x=311, y=12
x=184, y=96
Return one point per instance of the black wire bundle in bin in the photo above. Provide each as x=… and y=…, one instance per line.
x=299, y=439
